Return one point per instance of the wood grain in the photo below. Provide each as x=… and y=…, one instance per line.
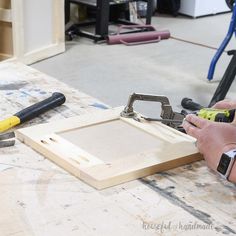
x=5, y=4
x=6, y=40
x=63, y=205
x=104, y=149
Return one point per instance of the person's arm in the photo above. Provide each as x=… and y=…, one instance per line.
x=213, y=139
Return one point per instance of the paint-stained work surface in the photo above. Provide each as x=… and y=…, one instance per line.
x=39, y=198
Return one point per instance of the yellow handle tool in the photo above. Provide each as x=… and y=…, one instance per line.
x=33, y=111
x=9, y=123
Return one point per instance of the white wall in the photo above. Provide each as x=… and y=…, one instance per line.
x=197, y=8
x=38, y=24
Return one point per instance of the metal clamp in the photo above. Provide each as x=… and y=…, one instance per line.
x=167, y=114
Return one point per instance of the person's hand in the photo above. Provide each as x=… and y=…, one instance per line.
x=225, y=104
x=213, y=138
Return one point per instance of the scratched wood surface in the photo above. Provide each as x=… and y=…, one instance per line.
x=39, y=198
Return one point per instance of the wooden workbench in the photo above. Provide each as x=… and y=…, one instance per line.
x=39, y=198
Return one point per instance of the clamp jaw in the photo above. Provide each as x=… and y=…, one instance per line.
x=167, y=114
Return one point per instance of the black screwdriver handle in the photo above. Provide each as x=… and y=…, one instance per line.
x=189, y=104
x=37, y=109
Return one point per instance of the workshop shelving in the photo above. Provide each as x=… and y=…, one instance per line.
x=31, y=30
x=6, y=41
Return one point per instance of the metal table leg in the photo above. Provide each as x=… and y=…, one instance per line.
x=102, y=18
x=67, y=11
x=226, y=81
x=149, y=12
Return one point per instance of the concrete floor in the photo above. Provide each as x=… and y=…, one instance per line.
x=173, y=68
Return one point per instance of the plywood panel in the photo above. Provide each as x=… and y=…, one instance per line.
x=4, y=57
x=113, y=140
x=5, y=4
x=5, y=10
x=5, y=15
x=6, y=40
x=104, y=149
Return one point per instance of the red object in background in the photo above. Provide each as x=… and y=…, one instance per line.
x=148, y=35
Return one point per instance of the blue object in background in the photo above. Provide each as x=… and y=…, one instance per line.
x=231, y=31
x=99, y=105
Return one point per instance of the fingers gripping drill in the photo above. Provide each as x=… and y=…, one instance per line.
x=217, y=115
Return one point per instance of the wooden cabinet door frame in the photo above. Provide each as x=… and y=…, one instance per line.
x=131, y=149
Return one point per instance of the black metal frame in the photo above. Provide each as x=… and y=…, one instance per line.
x=226, y=81
x=230, y=3
x=102, y=18
x=221, y=90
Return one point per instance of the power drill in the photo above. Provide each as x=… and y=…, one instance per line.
x=217, y=115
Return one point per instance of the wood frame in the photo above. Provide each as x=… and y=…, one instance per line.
x=179, y=149
x=5, y=15
x=5, y=30
x=17, y=38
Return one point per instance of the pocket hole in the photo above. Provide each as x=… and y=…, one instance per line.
x=44, y=142
x=53, y=140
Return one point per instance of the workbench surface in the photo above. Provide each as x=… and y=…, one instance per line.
x=39, y=198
